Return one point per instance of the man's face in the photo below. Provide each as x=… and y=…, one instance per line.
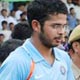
x=72, y=11
x=4, y=13
x=69, y=1
x=22, y=8
x=4, y=26
x=53, y=30
x=1, y=38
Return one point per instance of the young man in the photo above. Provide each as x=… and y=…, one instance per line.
x=47, y=19
x=74, y=51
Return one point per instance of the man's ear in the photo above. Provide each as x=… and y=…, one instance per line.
x=36, y=26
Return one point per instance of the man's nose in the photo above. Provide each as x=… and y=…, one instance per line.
x=61, y=31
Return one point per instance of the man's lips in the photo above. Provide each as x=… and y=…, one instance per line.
x=58, y=39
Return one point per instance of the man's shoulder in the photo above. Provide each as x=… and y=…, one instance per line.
x=18, y=62
x=21, y=54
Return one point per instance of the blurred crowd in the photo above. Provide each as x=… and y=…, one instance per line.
x=14, y=28
x=9, y=17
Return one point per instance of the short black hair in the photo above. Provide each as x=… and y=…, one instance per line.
x=21, y=31
x=41, y=10
x=1, y=34
x=4, y=22
x=71, y=8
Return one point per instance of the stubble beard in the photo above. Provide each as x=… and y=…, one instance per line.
x=46, y=41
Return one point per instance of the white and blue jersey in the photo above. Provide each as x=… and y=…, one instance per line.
x=17, y=65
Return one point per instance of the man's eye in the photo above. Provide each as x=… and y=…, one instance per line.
x=56, y=26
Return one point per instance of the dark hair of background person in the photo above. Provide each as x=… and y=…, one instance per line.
x=41, y=10
x=4, y=22
x=9, y=46
x=21, y=31
x=71, y=9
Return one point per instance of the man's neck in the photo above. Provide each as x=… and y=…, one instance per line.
x=44, y=51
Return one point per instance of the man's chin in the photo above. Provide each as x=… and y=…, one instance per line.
x=55, y=45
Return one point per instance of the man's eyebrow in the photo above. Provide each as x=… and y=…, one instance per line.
x=58, y=24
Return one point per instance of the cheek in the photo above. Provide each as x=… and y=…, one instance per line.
x=51, y=33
